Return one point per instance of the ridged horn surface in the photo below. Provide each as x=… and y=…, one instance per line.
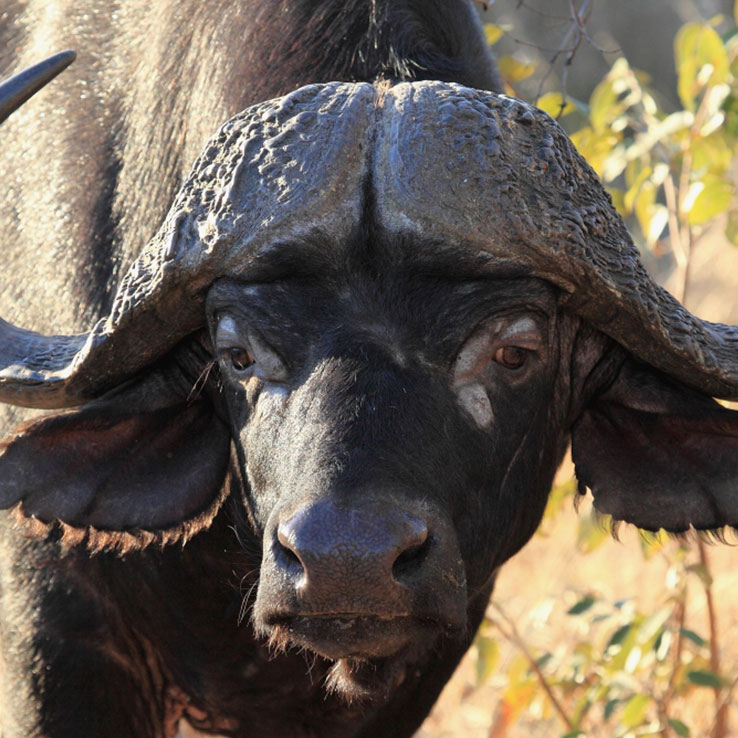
x=500, y=176
x=278, y=171
x=445, y=162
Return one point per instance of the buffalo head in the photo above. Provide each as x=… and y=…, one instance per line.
x=374, y=317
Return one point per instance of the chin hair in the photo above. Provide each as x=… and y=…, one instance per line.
x=365, y=680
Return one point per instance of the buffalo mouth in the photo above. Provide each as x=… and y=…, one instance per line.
x=368, y=655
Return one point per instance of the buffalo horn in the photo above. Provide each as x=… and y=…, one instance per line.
x=501, y=178
x=471, y=169
x=16, y=90
x=235, y=204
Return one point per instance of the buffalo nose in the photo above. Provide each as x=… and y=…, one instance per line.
x=351, y=559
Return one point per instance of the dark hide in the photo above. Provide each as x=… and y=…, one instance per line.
x=363, y=430
x=349, y=334
x=658, y=454
x=109, y=461
x=152, y=82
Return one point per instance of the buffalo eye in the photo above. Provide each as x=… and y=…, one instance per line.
x=240, y=358
x=245, y=353
x=511, y=357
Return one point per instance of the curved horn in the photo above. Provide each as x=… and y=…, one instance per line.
x=16, y=90
x=502, y=178
x=461, y=166
x=278, y=171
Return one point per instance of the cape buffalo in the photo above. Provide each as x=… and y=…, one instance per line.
x=301, y=425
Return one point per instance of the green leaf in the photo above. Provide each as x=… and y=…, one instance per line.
x=701, y=61
x=574, y=734
x=677, y=725
x=618, y=199
x=618, y=636
x=635, y=187
x=652, y=216
x=580, y=709
x=542, y=660
x=635, y=710
x=712, y=196
x=582, y=606
x=488, y=656
x=690, y=635
x=659, y=219
x=610, y=708
x=513, y=70
x=705, y=678
x=493, y=33
x=554, y=104
x=713, y=153
x=604, y=105
x=735, y=11
x=730, y=108
x=662, y=645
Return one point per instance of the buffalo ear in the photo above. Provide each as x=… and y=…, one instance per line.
x=116, y=474
x=658, y=454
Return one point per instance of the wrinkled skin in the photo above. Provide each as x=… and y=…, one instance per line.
x=349, y=369
x=369, y=400
x=290, y=523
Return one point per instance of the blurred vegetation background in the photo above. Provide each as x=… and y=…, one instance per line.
x=587, y=635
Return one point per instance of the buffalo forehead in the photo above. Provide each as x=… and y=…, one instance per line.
x=442, y=161
x=475, y=169
x=276, y=172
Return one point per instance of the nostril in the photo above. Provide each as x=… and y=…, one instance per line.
x=290, y=557
x=411, y=559
x=285, y=547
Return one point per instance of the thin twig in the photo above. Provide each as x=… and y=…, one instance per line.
x=513, y=635
x=575, y=29
x=725, y=701
x=675, y=232
x=665, y=701
x=720, y=726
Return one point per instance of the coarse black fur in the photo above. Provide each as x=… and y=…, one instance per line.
x=110, y=646
x=151, y=83
x=291, y=523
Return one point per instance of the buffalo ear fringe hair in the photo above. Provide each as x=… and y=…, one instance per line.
x=120, y=543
